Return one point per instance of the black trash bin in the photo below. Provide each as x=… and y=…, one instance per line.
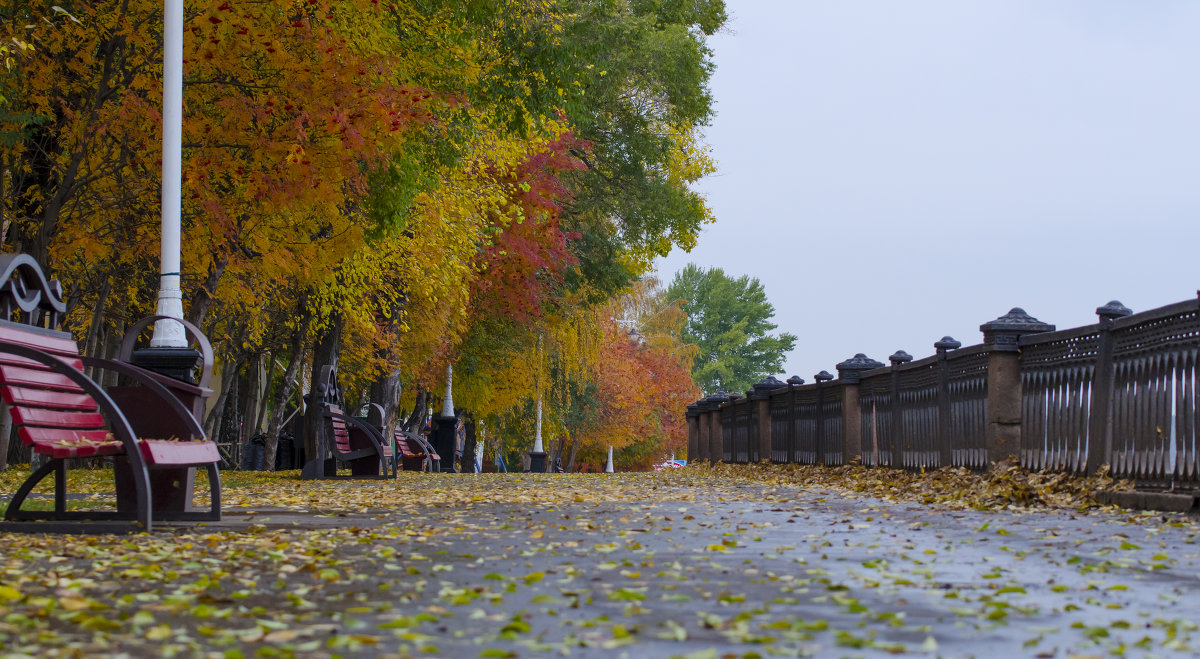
x=285, y=452
x=256, y=449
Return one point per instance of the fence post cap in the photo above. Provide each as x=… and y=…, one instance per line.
x=823, y=376
x=763, y=388
x=693, y=410
x=900, y=357
x=796, y=380
x=1004, y=332
x=947, y=343
x=850, y=371
x=1113, y=310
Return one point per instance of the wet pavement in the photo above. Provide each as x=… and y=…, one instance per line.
x=742, y=570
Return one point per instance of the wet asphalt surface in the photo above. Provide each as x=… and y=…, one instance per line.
x=814, y=575
x=743, y=572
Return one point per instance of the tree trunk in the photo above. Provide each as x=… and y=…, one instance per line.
x=212, y=423
x=112, y=339
x=250, y=404
x=230, y=365
x=267, y=388
x=325, y=353
x=284, y=392
x=203, y=296
x=386, y=393
x=95, y=334
x=571, y=462
x=417, y=418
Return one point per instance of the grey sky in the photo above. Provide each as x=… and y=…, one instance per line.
x=897, y=171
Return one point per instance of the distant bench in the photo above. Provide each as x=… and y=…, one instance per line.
x=416, y=453
x=355, y=443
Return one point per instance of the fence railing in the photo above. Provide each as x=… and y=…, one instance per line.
x=1124, y=392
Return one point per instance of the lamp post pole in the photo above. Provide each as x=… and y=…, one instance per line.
x=168, y=353
x=169, y=334
x=537, y=457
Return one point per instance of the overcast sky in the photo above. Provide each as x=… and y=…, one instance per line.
x=898, y=171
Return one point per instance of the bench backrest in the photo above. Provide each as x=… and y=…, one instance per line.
x=47, y=408
x=341, y=434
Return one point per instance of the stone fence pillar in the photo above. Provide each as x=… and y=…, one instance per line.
x=1002, y=336
x=850, y=374
x=693, y=426
x=761, y=393
x=716, y=448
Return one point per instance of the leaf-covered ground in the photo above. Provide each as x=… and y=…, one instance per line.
x=698, y=562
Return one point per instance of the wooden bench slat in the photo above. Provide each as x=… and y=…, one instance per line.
x=27, y=377
x=167, y=452
x=35, y=416
x=60, y=400
x=67, y=443
x=59, y=345
x=70, y=360
x=342, y=438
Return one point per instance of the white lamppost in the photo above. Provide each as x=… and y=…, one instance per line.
x=537, y=428
x=537, y=457
x=448, y=400
x=169, y=334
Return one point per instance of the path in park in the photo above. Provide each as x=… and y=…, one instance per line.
x=640, y=566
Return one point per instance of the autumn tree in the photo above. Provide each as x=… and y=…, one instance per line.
x=395, y=187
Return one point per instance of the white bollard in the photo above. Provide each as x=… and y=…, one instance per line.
x=608, y=468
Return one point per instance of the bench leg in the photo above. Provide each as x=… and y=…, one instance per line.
x=214, y=492
x=14, y=506
x=60, y=486
x=132, y=483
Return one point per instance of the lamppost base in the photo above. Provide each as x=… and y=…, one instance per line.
x=445, y=442
x=177, y=363
x=537, y=462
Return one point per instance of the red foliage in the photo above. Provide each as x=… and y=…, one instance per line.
x=527, y=259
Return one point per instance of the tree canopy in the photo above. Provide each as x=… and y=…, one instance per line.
x=390, y=186
x=729, y=319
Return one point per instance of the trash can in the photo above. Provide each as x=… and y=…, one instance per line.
x=252, y=456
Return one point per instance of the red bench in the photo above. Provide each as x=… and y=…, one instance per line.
x=61, y=413
x=344, y=439
x=416, y=454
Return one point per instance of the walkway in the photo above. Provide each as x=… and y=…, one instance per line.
x=639, y=565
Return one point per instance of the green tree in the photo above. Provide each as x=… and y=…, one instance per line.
x=641, y=69
x=730, y=320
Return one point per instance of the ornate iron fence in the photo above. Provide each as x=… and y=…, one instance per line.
x=1124, y=392
x=1154, y=396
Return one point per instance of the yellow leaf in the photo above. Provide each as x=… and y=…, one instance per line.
x=73, y=603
